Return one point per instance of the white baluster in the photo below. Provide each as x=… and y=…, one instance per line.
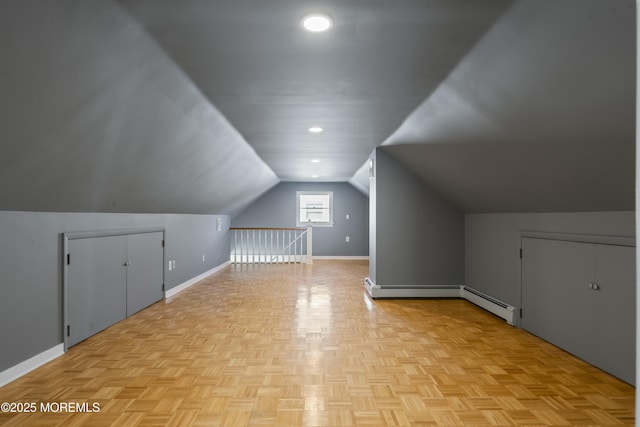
x=235, y=245
x=241, y=245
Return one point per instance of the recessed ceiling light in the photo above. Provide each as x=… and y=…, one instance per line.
x=317, y=22
x=315, y=129
x=315, y=176
x=315, y=161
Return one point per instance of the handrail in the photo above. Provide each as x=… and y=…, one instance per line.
x=267, y=245
x=267, y=228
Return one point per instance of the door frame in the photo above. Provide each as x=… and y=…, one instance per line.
x=75, y=235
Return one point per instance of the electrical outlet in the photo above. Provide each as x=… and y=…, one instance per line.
x=170, y=265
x=346, y=239
x=202, y=257
x=348, y=217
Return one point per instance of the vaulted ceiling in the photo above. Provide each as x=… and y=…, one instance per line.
x=200, y=106
x=273, y=80
x=539, y=116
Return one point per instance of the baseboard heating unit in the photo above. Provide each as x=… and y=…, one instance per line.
x=497, y=307
x=493, y=305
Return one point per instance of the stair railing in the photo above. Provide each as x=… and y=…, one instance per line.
x=271, y=245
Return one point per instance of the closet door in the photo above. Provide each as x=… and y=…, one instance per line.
x=145, y=260
x=581, y=297
x=557, y=303
x=615, y=322
x=96, y=286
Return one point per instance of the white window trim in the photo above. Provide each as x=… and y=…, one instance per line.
x=314, y=224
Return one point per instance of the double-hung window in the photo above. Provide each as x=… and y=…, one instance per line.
x=314, y=208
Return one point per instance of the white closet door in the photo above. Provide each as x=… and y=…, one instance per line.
x=557, y=304
x=615, y=319
x=97, y=280
x=581, y=297
x=145, y=260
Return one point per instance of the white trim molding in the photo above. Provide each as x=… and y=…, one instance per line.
x=23, y=368
x=181, y=287
x=343, y=258
x=581, y=238
x=328, y=222
x=487, y=302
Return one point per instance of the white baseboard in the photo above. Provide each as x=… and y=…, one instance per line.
x=23, y=368
x=487, y=302
x=347, y=258
x=181, y=287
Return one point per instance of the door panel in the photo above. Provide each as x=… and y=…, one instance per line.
x=96, y=287
x=581, y=297
x=556, y=300
x=145, y=271
x=615, y=322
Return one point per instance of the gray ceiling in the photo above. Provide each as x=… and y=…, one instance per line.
x=539, y=116
x=273, y=81
x=200, y=106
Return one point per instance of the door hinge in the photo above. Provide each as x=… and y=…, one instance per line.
x=163, y=286
x=520, y=253
x=163, y=243
x=68, y=330
x=521, y=313
x=68, y=259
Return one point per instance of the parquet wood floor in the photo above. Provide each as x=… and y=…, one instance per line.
x=299, y=345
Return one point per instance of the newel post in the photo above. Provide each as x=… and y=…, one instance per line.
x=309, y=244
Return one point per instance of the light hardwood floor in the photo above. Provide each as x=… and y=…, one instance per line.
x=298, y=345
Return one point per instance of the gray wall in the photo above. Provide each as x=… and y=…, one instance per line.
x=492, y=244
x=419, y=236
x=31, y=266
x=277, y=208
x=371, y=166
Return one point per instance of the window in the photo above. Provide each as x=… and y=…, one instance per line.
x=315, y=208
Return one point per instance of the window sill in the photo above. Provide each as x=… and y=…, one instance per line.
x=314, y=224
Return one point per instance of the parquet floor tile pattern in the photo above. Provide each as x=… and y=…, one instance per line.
x=302, y=345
